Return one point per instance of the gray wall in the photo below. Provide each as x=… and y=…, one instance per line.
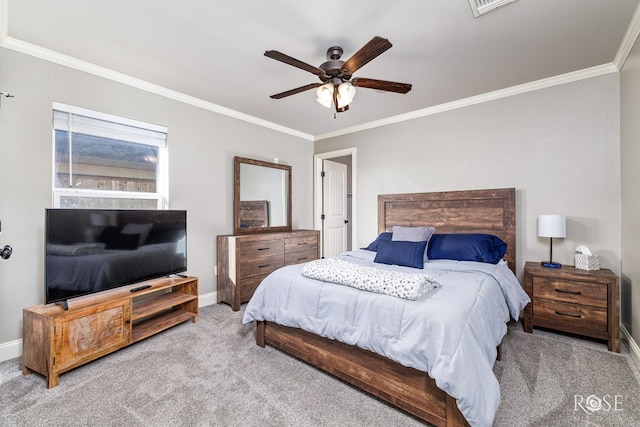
x=201, y=143
x=559, y=147
x=630, y=154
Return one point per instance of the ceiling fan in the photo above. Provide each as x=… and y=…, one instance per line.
x=337, y=86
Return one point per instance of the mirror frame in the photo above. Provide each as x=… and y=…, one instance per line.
x=236, y=196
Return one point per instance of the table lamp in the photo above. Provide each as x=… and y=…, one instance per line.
x=552, y=226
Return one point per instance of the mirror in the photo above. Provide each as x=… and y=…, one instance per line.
x=262, y=196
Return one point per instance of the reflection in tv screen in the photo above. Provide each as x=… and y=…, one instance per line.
x=92, y=250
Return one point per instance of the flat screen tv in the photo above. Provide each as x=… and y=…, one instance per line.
x=92, y=250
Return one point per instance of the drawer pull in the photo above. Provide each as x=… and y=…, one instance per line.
x=264, y=265
x=569, y=292
x=303, y=243
x=560, y=313
x=303, y=258
x=263, y=249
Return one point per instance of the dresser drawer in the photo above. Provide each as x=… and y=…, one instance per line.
x=250, y=249
x=255, y=267
x=585, y=293
x=301, y=243
x=248, y=287
x=575, y=315
x=300, y=257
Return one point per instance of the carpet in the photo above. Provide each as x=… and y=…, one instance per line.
x=211, y=374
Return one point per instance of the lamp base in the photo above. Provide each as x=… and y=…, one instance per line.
x=550, y=264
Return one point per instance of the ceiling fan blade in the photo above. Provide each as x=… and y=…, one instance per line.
x=296, y=90
x=381, y=85
x=278, y=56
x=371, y=50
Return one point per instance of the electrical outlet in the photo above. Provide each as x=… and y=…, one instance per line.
x=215, y=270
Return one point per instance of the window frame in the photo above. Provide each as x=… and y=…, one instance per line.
x=162, y=177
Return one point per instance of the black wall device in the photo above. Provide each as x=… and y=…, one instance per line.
x=6, y=252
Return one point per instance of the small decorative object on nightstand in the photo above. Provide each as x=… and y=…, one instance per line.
x=552, y=226
x=585, y=260
x=576, y=301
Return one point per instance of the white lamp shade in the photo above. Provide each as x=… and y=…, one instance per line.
x=346, y=92
x=325, y=94
x=552, y=226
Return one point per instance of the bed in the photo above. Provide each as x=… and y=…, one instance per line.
x=395, y=377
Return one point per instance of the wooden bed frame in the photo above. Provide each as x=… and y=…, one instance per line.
x=476, y=211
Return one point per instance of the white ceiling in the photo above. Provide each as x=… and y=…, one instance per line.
x=210, y=52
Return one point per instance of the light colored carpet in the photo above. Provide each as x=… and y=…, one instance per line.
x=209, y=374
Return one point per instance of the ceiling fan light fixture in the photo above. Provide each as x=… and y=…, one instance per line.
x=337, y=89
x=346, y=93
x=324, y=94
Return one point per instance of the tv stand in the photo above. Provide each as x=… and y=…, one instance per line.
x=58, y=338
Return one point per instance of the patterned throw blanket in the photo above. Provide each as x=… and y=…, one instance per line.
x=394, y=283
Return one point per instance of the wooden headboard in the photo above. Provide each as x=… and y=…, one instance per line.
x=474, y=211
x=254, y=214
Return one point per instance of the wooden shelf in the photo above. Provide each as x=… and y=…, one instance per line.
x=57, y=340
x=150, y=306
x=159, y=323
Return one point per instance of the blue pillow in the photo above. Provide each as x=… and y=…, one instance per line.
x=413, y=234
x=373, y=246
x=467, y=247
x=401, y=252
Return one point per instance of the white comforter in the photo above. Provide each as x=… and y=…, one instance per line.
x=450, y=332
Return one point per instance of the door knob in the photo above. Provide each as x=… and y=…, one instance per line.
x=6, y=252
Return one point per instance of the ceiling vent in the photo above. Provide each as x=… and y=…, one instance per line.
x=480, y=7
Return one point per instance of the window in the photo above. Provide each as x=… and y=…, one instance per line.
x=104, y=161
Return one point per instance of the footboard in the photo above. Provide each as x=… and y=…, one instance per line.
x=406, y=388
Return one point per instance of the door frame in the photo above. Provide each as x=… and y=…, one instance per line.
x=317, y=190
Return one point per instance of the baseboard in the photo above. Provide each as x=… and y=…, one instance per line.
x=634, y=349
x=10, y=350
x=207, y=299
x=13, y=349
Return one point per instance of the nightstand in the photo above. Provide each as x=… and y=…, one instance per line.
x=576, y=301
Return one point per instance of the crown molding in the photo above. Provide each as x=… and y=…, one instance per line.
x=106, y=73
x=479, y=99
x=4, y=19
x=77, y=64
x=630, y=37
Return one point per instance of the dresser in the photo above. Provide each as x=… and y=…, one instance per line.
x=576, y=301
x=244, y=260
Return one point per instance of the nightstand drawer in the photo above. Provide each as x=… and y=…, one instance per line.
x=585, y=293
x=250, y=249
x=575, y=315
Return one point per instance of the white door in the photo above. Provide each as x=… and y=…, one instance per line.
x=334, y=208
